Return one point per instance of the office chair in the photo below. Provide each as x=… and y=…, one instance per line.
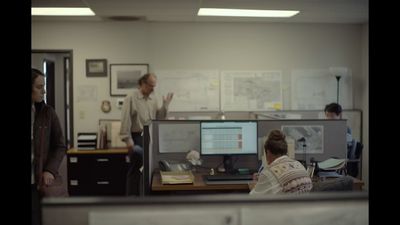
x=354, y=159
x=344, y=183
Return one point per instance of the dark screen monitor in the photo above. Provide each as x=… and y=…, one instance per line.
x=227, y=138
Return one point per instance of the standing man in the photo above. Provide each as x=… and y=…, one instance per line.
x=140, y=107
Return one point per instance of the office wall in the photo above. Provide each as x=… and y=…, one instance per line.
x=222, y=46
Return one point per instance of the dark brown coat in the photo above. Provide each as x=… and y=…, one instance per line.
x=49, y=149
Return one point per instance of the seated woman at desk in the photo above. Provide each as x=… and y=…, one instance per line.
x=282, y=174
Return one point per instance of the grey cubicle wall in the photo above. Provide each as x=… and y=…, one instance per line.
x=334, y=136
x=243, y=161
x=334, y=143
x=241, y=209
x=353, y=118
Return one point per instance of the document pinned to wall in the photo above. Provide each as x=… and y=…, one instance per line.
x=251, y=90
x=178, y=137
x=306, y=139
x=314, y=88
x=194, y=90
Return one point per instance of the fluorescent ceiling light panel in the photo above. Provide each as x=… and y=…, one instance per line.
x=245, y=12
x=71, y=11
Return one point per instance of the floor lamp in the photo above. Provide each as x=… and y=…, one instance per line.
x=338, y=72
x=337, y=91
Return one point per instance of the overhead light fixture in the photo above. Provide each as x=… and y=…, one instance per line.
x=70, y=11
x=245, y=12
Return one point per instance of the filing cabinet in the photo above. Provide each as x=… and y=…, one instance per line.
x=97, y=172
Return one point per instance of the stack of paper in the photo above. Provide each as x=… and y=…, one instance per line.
x=178, y=177
x=329, y=174
x=87, y=141
x=332, y=164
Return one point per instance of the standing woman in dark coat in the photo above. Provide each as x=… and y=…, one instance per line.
x=47, y=147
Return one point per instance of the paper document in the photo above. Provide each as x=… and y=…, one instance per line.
x=329, y=174
x=332, y=164
x=86, y=137
x=181, y=177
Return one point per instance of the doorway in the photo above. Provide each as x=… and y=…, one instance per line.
x=57, y=67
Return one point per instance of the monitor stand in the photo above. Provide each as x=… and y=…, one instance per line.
x=228, y=164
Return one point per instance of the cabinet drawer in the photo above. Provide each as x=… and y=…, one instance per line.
x=79, y=164
x=97, y=174
x=108, y=167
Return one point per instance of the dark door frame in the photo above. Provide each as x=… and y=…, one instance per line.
x=71, y=95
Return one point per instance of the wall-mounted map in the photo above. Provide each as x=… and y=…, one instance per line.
x=251, y=90
x=193, y=90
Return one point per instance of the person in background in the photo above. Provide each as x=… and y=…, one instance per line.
x=47, y=148
x=282, y=174
x=140, y=107
x=333, y=111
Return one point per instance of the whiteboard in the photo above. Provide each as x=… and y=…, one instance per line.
x=178, y=137
x=251, y=90
x=194, y=90
x=315, y=88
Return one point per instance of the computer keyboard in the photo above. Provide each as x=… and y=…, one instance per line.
x=230, y=177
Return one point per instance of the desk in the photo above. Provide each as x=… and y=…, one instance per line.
x=357, y=184
x=198, y=185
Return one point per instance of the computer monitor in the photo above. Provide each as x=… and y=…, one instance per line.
x=227, y=138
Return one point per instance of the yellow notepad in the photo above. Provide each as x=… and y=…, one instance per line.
x=178, y=177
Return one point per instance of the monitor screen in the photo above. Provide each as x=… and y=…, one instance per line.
x=228, y=137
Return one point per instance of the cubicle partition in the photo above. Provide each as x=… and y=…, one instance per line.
x=172, y=139
x=353, y=117
x=323, y=139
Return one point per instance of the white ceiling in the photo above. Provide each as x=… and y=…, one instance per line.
x=311, y=11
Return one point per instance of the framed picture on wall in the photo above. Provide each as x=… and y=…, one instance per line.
x=96, y=67
x=124, y=77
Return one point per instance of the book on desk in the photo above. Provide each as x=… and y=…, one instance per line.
x=177, y=177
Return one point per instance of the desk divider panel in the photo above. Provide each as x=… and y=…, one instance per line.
x=333, y=144
x=333, y=140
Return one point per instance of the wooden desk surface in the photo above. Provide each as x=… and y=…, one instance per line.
x=198, y=184
x=99, y=151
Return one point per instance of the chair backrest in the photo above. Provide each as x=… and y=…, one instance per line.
x=359, y=148
x=353, y=166
x=344, y=183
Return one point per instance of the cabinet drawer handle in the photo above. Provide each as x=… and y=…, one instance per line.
x=102, y=160
x=73, y=159
x=103, y=182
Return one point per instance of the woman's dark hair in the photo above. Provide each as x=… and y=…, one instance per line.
x=144, y=78
x=276, y=143
x=333, y=108
x=35, y=74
